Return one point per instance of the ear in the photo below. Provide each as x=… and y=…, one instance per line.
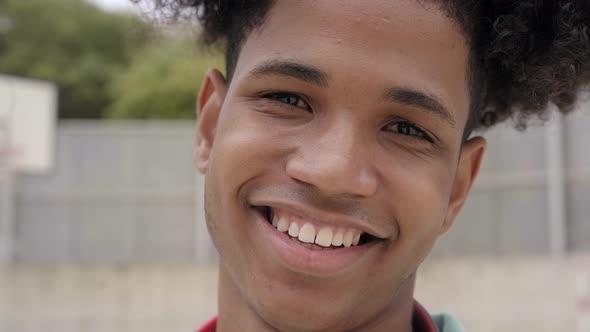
x=209, y=105
x=470, y=160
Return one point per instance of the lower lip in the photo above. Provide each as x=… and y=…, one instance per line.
x=309, y=261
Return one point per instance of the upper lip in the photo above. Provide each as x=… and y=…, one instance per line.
x=323, y=217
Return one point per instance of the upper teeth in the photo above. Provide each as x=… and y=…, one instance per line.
x=308, y=232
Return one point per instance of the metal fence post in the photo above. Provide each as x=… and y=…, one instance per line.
x=6, y=217
x=556, y=184
x=6, y=194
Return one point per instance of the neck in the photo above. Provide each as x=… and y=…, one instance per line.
x=236, y=313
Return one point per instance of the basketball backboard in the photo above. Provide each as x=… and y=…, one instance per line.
x=27, y=123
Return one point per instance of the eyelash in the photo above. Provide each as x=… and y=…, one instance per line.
x=291, y=100
x=282, y=97
x=403, y=125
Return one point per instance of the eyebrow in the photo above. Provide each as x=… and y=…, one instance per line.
x=307, y=73
x=292, y=69
x=421, y=100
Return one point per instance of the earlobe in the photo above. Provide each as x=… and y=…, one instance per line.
x=209, y=105
x=467, y=170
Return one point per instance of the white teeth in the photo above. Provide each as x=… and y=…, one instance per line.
x=337, y=239
x=294, y=229
x=283, y=225
x=356, y=239
x=347, y=239
x=307, y=233
x=324, y=237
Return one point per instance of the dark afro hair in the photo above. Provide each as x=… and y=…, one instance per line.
x=525, y=54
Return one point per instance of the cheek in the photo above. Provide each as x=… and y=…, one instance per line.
x=421, y=204
x=242, y=150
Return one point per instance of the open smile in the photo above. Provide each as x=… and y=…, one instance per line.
x=313, y=234
x=312, y=246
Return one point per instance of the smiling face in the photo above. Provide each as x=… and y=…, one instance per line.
x=342, y=126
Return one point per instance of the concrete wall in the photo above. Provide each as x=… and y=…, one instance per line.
x=128, y=192
x=488, y=295
x=120, y=191
x=507, y=212
x=125, y=193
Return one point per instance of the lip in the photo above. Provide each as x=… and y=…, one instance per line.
x=308, y=261
x=324, y=218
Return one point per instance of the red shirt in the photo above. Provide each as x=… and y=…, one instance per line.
x=421, y=321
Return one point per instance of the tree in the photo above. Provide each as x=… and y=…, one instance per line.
x=162, y=82
x=73, y=44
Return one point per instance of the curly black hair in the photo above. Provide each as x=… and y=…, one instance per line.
x=524, y=54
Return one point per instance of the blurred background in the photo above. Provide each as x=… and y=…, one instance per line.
x=101, y=221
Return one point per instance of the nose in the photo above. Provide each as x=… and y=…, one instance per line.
x=336, y=161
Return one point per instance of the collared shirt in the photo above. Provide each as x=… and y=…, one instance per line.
x=421, y=322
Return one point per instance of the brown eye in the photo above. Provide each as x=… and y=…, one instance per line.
x=289, y=99
x=407, y=129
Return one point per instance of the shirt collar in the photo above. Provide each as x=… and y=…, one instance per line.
x=421, y=320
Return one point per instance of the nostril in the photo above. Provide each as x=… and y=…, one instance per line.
x=334, y=174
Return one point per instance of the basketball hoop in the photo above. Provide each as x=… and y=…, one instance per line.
x=28, y=115
x=28, y=110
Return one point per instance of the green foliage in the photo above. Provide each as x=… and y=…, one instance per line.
x=71, y=43
x=105, y=64
x=162, y=82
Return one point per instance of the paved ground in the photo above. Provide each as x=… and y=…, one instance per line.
x=509, y=295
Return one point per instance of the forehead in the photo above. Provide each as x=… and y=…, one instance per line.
x=410, y=43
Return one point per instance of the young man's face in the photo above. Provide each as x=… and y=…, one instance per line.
x=347, y=116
